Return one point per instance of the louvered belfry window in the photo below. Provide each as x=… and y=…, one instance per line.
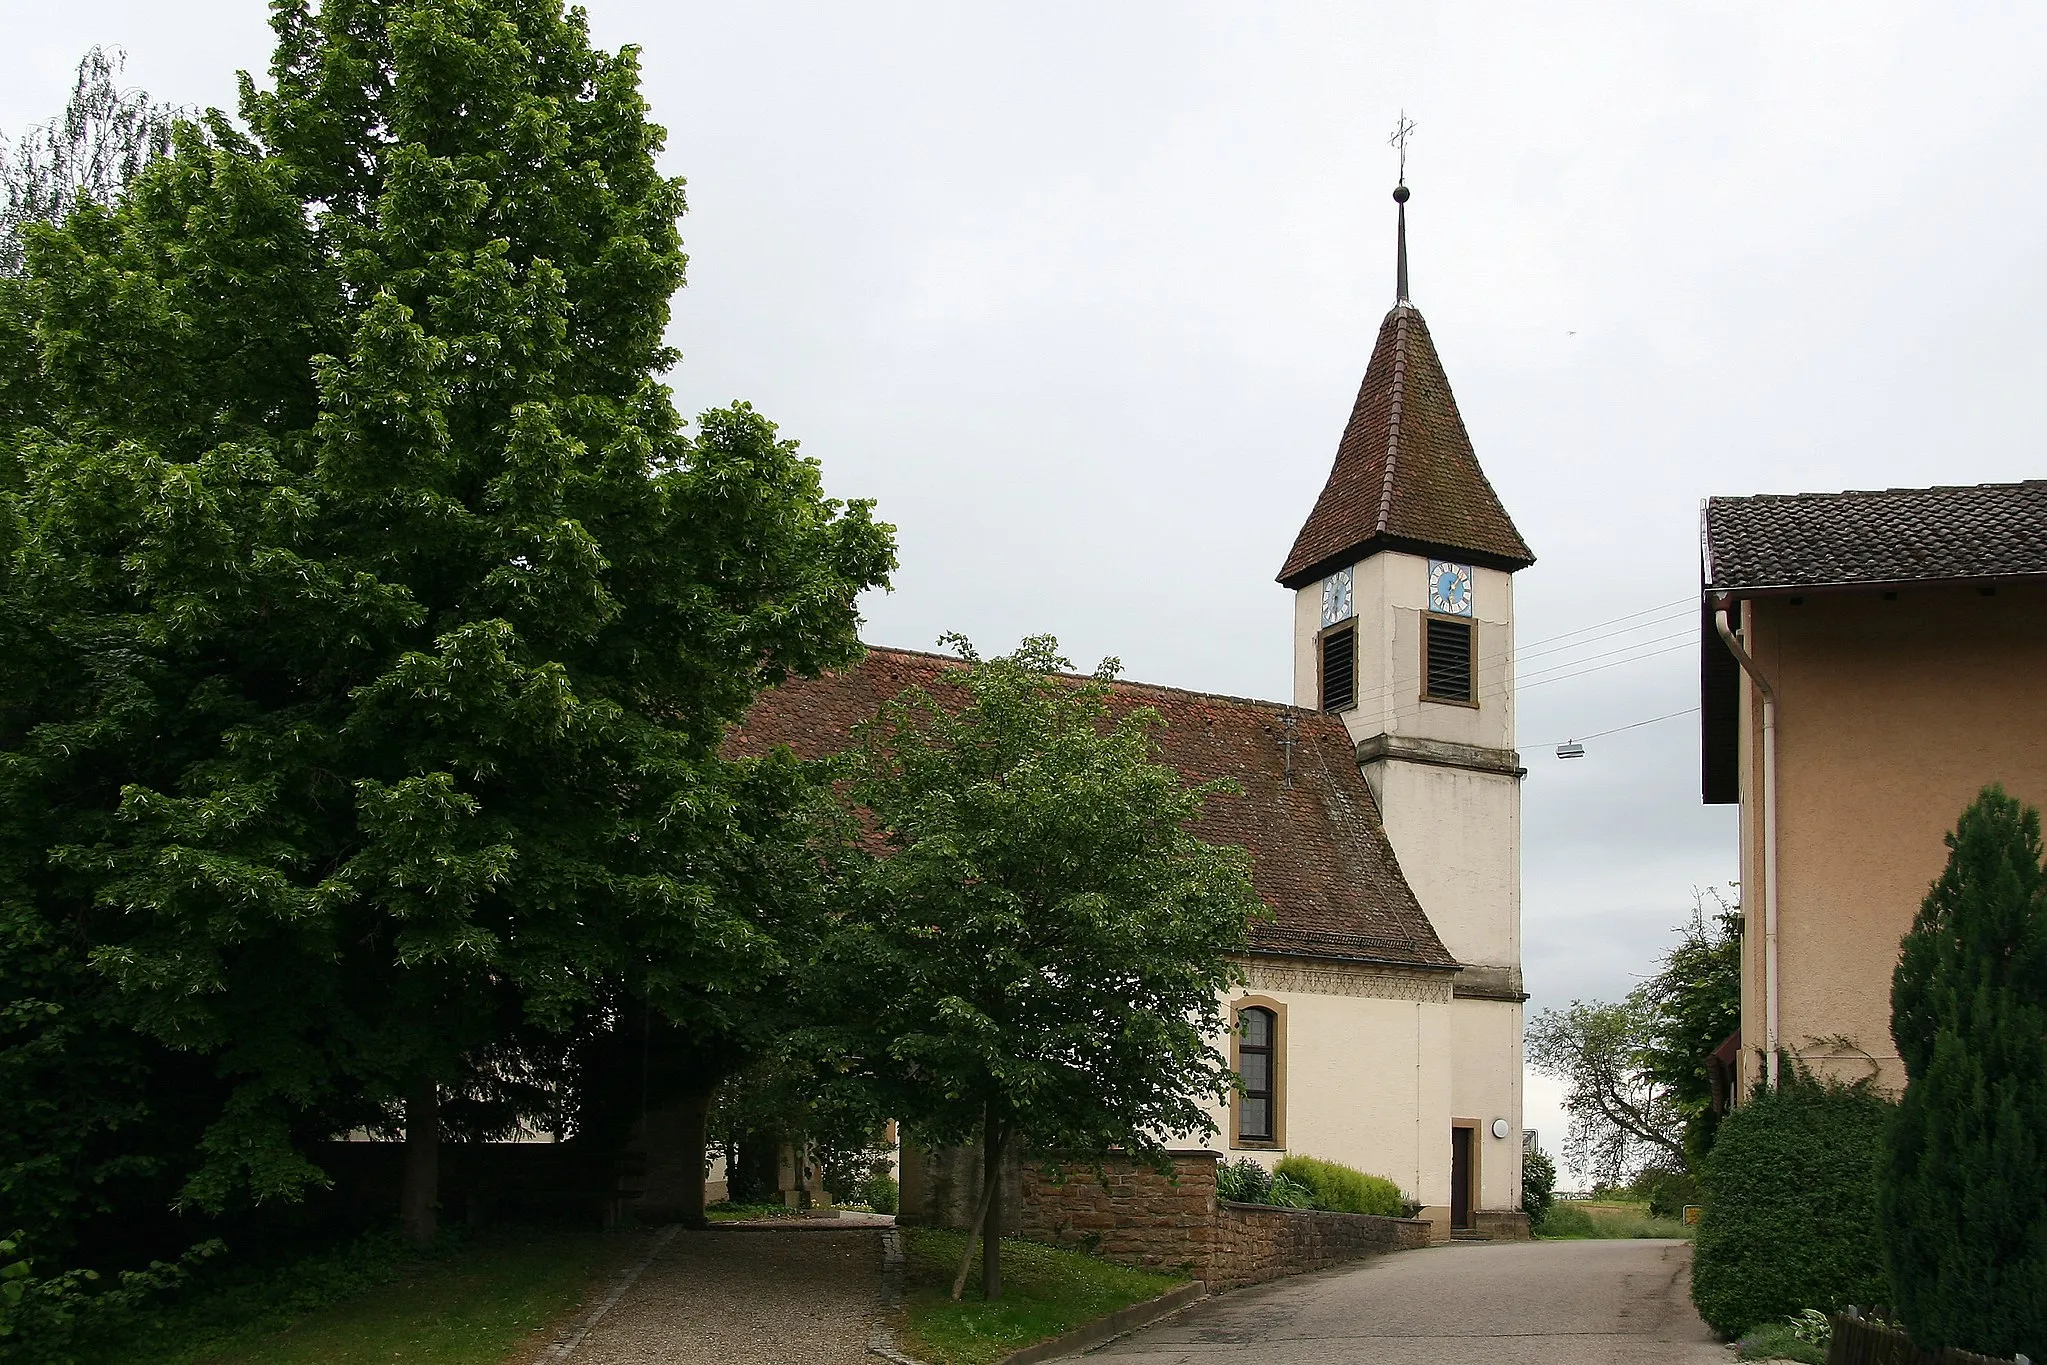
x=1446, y=661
x=1340, y=669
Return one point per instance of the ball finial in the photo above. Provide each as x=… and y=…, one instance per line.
x=1400, y=194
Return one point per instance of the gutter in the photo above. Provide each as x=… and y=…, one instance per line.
x=1755, y=673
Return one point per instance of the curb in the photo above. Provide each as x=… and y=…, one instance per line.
x=880, y=1340
x=1123, y=1320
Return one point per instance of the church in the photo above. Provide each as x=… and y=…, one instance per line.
x=1381, y=1017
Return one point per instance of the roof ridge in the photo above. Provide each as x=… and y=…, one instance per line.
x=1260, y=702
x=1397, y=393
x=1876, y=492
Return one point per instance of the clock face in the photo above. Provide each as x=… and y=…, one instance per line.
x=1449, y=588
x=1336, y=597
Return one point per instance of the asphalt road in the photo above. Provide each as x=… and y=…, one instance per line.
x=1499, y=1303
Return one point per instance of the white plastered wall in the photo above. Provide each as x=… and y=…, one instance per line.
x=1486, y=1085
x=1365, y=1081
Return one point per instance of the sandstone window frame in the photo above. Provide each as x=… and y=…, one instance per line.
x=1277, y=1010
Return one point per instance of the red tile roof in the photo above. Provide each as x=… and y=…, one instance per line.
x=1405, y=477
x=1320, y=857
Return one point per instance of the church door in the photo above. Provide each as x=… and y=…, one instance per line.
x=1460, y=1178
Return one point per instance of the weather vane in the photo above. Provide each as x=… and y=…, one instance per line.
x=1401, y=132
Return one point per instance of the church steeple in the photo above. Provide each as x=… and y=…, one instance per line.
x=1405, y=476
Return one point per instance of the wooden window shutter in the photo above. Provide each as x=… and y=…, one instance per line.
x=1340, y=669
x=1446, y=660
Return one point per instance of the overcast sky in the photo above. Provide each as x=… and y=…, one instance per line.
x=1081, y=294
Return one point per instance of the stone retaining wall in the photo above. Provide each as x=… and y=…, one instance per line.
x=1136, y=1216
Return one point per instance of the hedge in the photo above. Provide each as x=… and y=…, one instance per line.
x=1344, y=1189
x=1790, y=1207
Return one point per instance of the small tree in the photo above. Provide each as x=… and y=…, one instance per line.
x=1697, y=1000
x=1041, y=948
x=1964, y=1202
x=1538, y=1185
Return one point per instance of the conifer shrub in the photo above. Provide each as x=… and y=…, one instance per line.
x=1789, y=1221
x=1538, y=1185
x=1963, y=1200
x=1337, y=1188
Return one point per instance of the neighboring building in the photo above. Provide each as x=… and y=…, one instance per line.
x=1381, y=1023
x=1902, y=640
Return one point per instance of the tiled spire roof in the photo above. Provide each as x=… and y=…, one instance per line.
x=1405, y=477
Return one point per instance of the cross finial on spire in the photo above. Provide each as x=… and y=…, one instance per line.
x=1402, y=130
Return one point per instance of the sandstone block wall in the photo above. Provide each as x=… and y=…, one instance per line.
x=1137, y=1216
x=1254, y=1243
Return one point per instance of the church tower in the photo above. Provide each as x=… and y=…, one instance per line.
x=1404, y=626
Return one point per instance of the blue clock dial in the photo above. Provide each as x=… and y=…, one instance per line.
x=1449, y=588
x=1336, y=604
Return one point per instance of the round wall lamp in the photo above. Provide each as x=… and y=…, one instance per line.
x=1499, y=1128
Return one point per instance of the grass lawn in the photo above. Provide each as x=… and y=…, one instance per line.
x=469, y=1301
x=1044, y=1292
x=1617, y=1218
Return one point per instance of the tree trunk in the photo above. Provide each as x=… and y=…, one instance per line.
x=419, y=1197
x=991, y=1222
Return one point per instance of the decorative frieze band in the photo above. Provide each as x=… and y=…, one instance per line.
x=1347, y=978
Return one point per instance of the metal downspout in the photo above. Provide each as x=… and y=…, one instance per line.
x=1755, y=673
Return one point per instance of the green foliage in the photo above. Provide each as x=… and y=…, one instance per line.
x=881, y=1193
x=1039, y=950
x=45, y=1319
x=1790, y=1206
x=1046, y=1292
x=1538, y=1185
x=1696, y=997
x=1964, y=1205
x=1667, y=1192
x=373, y=620
x=1284, y=1192
x=1576, y=1219
x=1343, y=1189
x=1242, y=1180
x=1779, y=1341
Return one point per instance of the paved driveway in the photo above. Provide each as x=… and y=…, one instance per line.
x=1500, y=1303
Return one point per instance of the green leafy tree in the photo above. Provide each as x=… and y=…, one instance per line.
x=1964, y=1205
x=378, y=618
x=1538, y=1185
x=1037, y=953
x=1696, y=996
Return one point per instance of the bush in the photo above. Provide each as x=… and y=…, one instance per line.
x=880, y=1193
x=1790, y=1207
x=1667, y=1192
x=1344, y=1189
x=1242, y=1180
x=1287, y=1193
x=1538, y=1185
x=1964, y=1207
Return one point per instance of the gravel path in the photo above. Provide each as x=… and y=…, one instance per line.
x=786, y=1296
x=1500, y=1303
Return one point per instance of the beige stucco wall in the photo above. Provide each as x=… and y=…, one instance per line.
x=1485, y=1085
x=1366, y=1079
x=1457, y=834
x=1892, y=715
